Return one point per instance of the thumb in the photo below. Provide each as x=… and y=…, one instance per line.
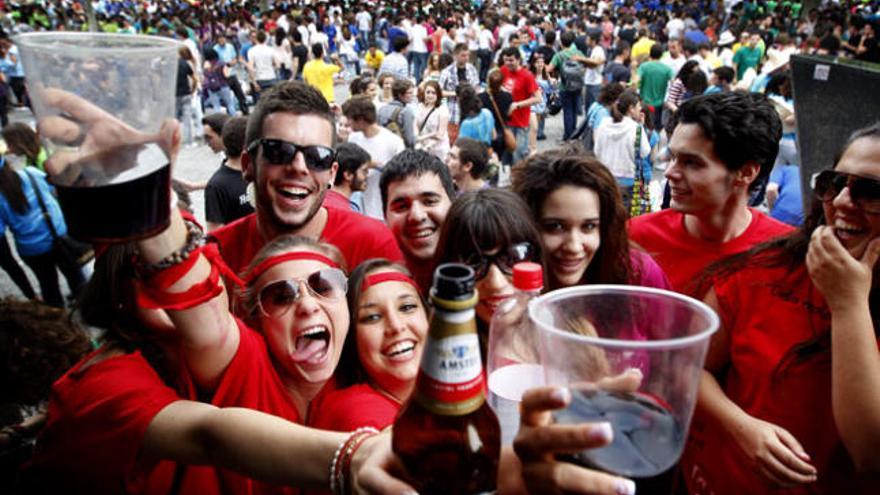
x=871, y=253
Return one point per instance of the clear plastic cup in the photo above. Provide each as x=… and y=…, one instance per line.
x=115, y=182
x=631, y=356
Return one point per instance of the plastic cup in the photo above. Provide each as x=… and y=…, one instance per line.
x=110, y=192
x=631, y=356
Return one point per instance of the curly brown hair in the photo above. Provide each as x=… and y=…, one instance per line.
x=38, y=344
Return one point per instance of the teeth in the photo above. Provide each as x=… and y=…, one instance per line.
x=842, y=225
x=314, y=332
x=400, y=348
x=422, y=233
x=295, y=191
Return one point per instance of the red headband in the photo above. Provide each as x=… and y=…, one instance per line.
x=281, y=258
x=393, y=276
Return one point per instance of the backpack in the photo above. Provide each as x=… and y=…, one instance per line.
x=214, y=79
x=573, y=75
x=393, y=125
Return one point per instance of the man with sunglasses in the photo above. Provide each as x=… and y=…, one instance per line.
x=723, y=145
x=290, y=159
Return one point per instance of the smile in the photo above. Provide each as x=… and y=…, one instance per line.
x=312, y=345
x=403, y=350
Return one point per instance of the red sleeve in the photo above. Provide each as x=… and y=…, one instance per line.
x=353, y=408
x=97, y=419
x=359, y=237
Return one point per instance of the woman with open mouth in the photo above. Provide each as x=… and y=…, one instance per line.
x=381, y=356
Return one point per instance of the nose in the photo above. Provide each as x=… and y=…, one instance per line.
x=417, y=212
x=306, y=303
x=494, y=279
x=843, y=200
x=573, y=242
x=672, y=171
x=394, y=323
x=298, y=164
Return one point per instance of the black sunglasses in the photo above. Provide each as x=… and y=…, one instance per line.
x=504, y=259
x=864, y=191
x=279, y=152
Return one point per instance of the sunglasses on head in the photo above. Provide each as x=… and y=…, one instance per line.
x=503, y=259
x=279, y=152
x=276, y=298
x=864, y=191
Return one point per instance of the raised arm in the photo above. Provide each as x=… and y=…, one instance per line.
x=855, y=361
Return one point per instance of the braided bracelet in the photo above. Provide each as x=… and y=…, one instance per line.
x=341, y=463
x=195, y=238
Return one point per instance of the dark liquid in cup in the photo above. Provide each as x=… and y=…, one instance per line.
x=121, y=212
x=647, y=437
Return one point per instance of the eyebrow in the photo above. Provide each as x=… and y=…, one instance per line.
x=547, y=219
x=399, y=298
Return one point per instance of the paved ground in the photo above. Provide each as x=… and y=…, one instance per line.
x=197, y=163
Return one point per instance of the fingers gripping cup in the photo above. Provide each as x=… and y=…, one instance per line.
x=101, y=102
x=631, y=356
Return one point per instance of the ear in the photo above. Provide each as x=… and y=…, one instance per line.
x=334, y=169
x=747, y=174
x=467, y=167
x=248, y=167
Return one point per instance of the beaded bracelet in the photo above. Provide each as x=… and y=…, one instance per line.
x=341, y=463
x=195, y=238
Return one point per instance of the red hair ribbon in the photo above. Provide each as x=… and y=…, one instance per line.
x=391, y=276
x=281, y=258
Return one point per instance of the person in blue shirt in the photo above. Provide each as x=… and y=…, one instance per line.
x=21, y=212
x=10, y=65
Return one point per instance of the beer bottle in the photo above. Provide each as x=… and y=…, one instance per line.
x=447, y=435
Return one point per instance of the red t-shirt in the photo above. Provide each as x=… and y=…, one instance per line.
x=334, y=199
x=767, y=311
x=97, y=418
x=521, y=85
x=682, y=256
x=357, y=236
x=353, y=407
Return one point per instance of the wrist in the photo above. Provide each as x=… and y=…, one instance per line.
x=173, y=238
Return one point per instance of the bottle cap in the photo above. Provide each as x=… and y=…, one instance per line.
x=528, y=276
x=453, y=282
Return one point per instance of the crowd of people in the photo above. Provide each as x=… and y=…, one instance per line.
x=364, y=144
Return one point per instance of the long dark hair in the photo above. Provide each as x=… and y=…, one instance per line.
x=107, y=301
x=790, y=252
x=10, y=187
x=543, y=173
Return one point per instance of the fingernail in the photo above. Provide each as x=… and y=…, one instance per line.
x=804, y=456
x=601, y=432
x=561, y=395
x=624, y=487
x=635, y=371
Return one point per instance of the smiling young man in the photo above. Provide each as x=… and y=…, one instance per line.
x=722, y=145
x=417, y=192
x=290, y=159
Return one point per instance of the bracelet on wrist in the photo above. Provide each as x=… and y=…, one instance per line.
x=195, y=238
x=340, y=466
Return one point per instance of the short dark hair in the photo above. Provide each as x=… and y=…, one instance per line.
x=261, y=36
x=567, y=38
x=743, y=127
x=724, y=74
x=459, y=47
x=216, y=121
x=656, y=51
x=318, y=50
x=400, y=42
x=233, y=135
x=350, y=157
x=511, y=52
x=399, y=88
x=414, y=163
x=360, y=107
x=295, y=97
x=473, y=152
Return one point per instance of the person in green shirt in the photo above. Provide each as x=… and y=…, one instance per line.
x=653, y=79
x=748, y=56
x=569, y=97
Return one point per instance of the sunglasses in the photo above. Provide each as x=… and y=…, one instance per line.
x=864, y=191
x=278, y=152
x=276, y=298
x=504, y=259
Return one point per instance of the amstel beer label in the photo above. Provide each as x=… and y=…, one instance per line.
x=450, y=381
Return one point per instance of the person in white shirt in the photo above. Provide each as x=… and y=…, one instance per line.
x=379, y=142
x=395, y=63
x=263, y=62
x=616, y=139
x=485, y=43
x=365, y=25
x=418, y=49
x=595, y=66
x=675, y=26
x=673, y=57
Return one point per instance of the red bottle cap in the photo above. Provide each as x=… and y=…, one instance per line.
x=528, y=276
